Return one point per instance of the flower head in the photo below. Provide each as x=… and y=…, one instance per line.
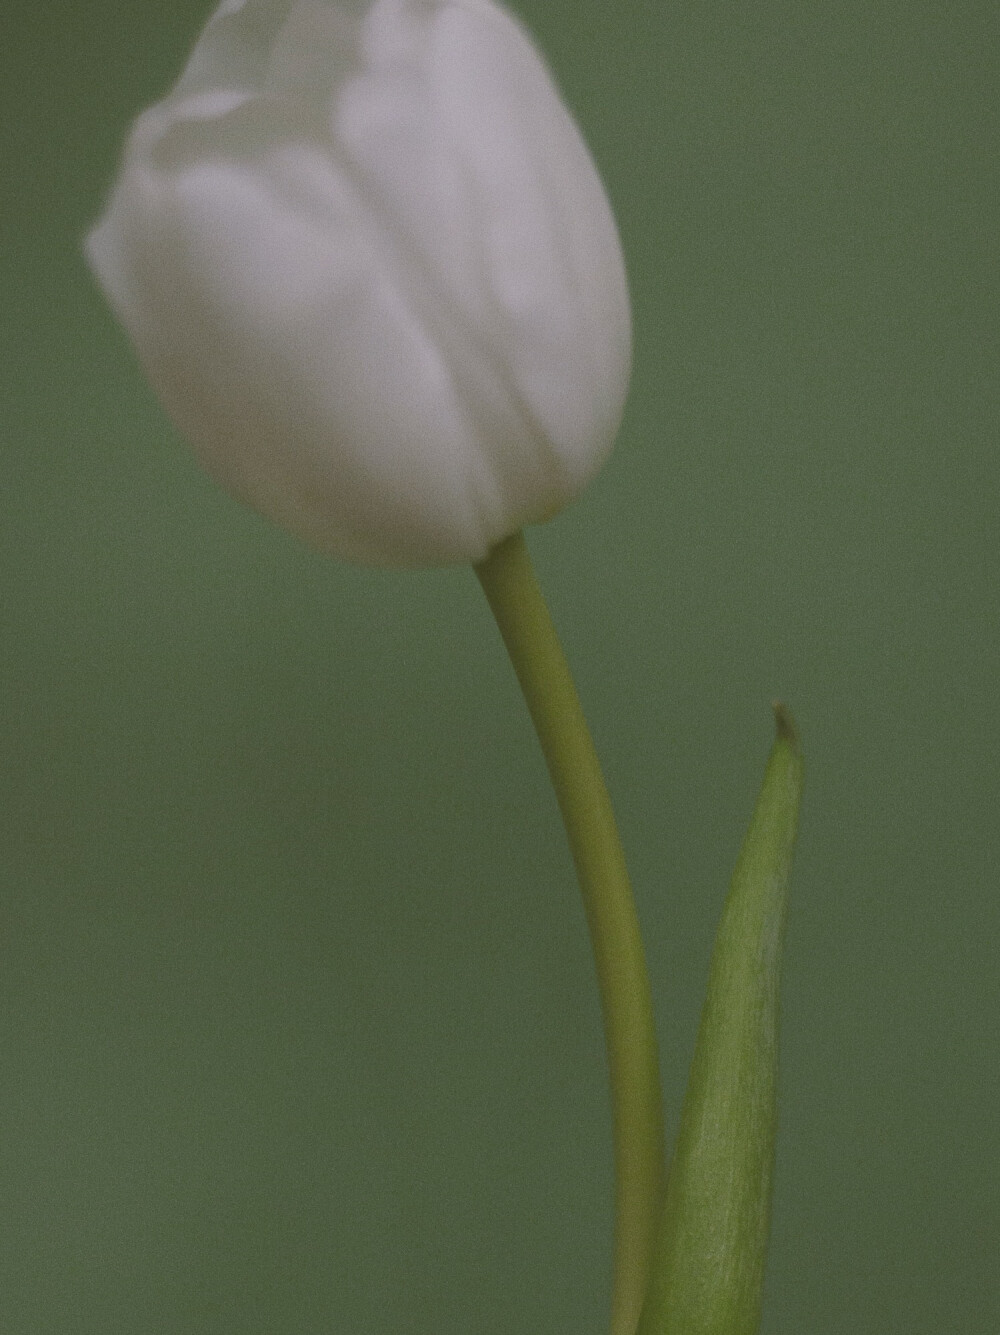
x=369, y=268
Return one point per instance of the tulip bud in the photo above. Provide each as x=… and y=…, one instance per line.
x=369, y=268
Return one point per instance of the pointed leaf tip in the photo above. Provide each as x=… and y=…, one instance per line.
x=785, y=729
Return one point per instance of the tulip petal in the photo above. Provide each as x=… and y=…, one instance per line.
x=369, y=268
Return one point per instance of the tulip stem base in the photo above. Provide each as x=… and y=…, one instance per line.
x=518, y=605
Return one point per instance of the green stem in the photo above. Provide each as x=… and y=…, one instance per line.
x=513, y=593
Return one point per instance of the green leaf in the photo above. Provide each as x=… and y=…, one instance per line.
x=708, y=1269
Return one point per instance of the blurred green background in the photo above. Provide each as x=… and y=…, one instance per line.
x=298, y=1026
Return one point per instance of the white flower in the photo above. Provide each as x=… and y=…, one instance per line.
x=368, y=266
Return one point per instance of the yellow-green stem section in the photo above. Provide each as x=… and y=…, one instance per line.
x=513, y=593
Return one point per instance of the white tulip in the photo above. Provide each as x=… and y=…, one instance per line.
x=369, y=268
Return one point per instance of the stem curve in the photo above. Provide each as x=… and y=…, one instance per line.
x=517, y=603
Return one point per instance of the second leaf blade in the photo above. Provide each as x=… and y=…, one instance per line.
x=708, y=1269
